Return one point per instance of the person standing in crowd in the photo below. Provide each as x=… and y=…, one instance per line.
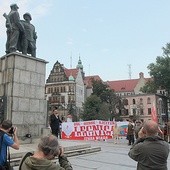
x=150, y=150
x=6, y=131
x=55, y=123
x=130, y=133
x=165, y=131
x=138, y=126
x=48, y=149
x=116, y=133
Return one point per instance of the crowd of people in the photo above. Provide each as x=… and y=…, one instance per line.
x=149, y=148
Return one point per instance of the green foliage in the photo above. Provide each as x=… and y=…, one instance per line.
x=149, y=87
x=101, y=103
x=91, y=108
x=100, y=89
x=160, y=72
x=104, y=112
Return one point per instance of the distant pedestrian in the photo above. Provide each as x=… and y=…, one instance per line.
x=116, y=133
x=150, y=150
x=55, y=123
x=138, y=126
x=130, y=133
x=165, y=132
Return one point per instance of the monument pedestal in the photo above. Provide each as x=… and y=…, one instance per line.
x=22, y=84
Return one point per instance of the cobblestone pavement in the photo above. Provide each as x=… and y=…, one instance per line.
x=111, y=157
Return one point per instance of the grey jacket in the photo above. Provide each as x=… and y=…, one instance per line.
x=151, y=153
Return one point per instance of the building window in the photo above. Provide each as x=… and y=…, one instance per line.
x=55, y=89
x=126, y=112
x=125, y=101
x=134, y=111
x=141, y=111
x=58, y=89
x=141, y=101
x=149, y=111
x=134, y=102
x=69, y=99
x=49, y=90
x=148, y=100
x=62, y=99
x=58, y=99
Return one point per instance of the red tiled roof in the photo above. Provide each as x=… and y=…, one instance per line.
x=88, y=80
x=123, y=85
x=71, y=72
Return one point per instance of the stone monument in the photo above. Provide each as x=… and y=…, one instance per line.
x=22, y=81
x=21, y=34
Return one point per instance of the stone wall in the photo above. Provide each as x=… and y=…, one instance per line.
x=22, y=82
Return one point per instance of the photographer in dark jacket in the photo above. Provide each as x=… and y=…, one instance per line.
x=150, y=151
x=55, y=123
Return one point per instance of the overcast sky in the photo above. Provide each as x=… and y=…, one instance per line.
x=108, y=35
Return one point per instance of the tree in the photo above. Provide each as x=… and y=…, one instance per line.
x=160, y=72
x=104, y=112
x=91, y=108
x=149, y=87
x=105, y=101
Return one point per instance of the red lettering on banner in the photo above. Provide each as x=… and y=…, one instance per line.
x=89, y=130
x=89, y=123
x=76, y=124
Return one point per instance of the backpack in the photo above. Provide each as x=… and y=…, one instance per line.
x=23, y=159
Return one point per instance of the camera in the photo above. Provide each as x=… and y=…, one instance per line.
x=11, y=132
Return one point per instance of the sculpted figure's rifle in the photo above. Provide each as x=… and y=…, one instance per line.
x=8, y=20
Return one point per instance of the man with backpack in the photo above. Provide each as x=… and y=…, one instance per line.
x=6, y=140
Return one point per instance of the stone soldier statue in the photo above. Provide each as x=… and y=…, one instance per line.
x=14, y=28
x=29, y=38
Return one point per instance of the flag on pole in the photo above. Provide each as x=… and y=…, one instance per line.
x=153, y=113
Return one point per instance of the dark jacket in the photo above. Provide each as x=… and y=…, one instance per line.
x=44, y=164
x=151, y=153
x=130, y=130
x=55, y=121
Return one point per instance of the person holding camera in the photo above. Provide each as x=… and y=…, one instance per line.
x=8, y=138
x=48, y=149
x=150, y=150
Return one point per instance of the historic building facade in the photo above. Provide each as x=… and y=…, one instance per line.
x=69, y=88
x=64, y=89
x=137, y=104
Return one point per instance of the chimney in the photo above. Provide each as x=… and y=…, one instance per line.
x=141, y=75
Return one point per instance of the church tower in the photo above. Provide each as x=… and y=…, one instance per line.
x=80, y=66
